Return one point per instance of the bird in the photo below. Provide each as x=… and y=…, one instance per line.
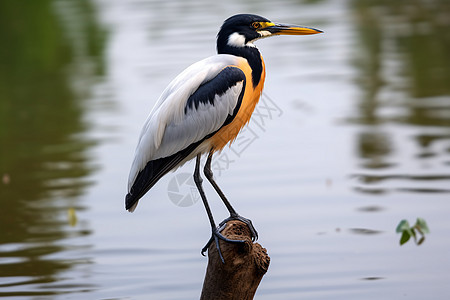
x=202, y=110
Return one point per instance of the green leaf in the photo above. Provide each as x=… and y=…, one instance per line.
x=71, y=213
x=421, y=241
x=402, y=226
x=422, y=225
x=405, y=237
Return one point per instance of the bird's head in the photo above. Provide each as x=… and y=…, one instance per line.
x=243, y=29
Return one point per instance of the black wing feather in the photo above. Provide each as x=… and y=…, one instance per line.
x=219, y=85
x=153, y=171
x=206, y=93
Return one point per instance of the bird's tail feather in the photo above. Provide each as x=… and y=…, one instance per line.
x=152, y=172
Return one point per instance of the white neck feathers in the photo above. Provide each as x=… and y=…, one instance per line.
x=238, y=40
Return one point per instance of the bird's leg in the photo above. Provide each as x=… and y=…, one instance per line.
x=233, y=214
x=216, y=235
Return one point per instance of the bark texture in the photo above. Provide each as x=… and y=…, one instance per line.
x=244, y=267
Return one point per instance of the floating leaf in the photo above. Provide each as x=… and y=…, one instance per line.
x=417, y=231
x=72, y=216
x=405, y=237
x=422, y=225
x=402, y=226
x=422, y=239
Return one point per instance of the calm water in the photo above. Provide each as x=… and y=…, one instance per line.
x=352, y=136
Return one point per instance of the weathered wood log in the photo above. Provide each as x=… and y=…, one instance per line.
x=244, y=267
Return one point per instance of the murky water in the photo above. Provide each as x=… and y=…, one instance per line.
x=351, y=136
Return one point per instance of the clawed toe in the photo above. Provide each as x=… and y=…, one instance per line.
x=252, y=229
x=216, y=235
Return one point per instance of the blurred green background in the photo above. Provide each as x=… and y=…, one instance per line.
x=54, y=55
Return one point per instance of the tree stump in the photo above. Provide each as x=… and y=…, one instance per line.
x=244, y=267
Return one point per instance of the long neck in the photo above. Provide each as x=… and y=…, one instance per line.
x=248, y=52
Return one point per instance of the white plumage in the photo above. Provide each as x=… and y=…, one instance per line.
x=170, y=129
x=202, y=110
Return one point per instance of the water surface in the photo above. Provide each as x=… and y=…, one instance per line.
x=352, y=136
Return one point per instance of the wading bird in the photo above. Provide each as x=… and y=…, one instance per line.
x=203, y=109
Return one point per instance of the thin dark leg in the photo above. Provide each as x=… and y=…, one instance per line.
x=198, y=182
x=209, y=175
x=233, y=214
x=216, y=235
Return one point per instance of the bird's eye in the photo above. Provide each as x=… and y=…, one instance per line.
x=256, y=25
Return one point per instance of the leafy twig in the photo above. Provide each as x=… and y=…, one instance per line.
x=419, y=228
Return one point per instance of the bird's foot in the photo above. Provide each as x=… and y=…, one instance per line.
x=237, y=217
x=216, y=235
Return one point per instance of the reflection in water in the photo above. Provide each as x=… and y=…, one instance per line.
x=43, y=155
x=401, y=128
x=374, y=147
x=404, y=72
x=364, y=231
